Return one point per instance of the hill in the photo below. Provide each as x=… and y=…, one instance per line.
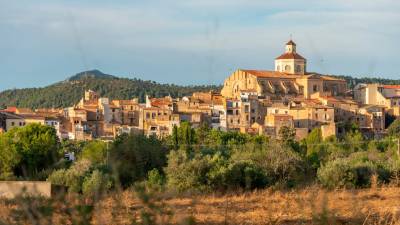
x=70, y=91
x=353, y=81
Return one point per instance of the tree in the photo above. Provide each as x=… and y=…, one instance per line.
x=394, y=128
x=33, y=148
x=9, y=158
x=316, y=149
x=186, y=134
x=95, y=151
x=202, y=133
x=131, y=157
x=287, y=134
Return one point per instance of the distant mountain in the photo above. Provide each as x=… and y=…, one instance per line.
x=69, y=92
x=91, y=74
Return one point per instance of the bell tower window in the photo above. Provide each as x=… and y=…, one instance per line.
x=287, y=68
x=298, y=69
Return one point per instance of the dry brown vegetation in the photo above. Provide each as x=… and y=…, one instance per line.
x=308, y=206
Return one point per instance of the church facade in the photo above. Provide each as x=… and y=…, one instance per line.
x=288, y=79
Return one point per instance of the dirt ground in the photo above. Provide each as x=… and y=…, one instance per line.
x=308, y=206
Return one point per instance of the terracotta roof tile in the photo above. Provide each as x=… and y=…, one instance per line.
x=391, y=86
x=291, y=55
x=268, y=73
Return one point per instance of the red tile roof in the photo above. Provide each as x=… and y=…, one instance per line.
x=268, y=73
x=391, y=86
x=11, y=109
x=291, y=55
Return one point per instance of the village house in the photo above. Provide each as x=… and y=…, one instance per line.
x=377, y=94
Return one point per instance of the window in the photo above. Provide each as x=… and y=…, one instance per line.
x=287, y=68
x=315, y=88
x=298, y=68
x=278, y=68
x=12, y=123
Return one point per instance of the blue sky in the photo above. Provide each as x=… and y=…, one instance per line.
x=192, y=41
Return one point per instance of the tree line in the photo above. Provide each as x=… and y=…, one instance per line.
x=200, y=160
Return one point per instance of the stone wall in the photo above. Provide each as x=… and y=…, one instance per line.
x=12, y=189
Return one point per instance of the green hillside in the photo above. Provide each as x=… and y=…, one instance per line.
x=70, y=91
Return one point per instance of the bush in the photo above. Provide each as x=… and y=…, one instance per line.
x=58, y=177
x=352, y=172
x=155, y=179
x=336, y=174
x=184, y=173
x=281, y=165
x=95, y=152
x=72, y=177
x=96, y=183
x=132, y=157
x=245, y=174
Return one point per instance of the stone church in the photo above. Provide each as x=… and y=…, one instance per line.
x=289, y=79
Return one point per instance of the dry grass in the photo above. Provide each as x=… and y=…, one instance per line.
x=309, y=206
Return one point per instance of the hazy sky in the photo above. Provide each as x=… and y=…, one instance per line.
x=193, y=41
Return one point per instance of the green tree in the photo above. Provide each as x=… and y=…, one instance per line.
x=394, y=128
x=316, y=148
x=287, y=134
x=95, y=151
x=9, y=157
x=96, y=183
x=131, y=157
x=33, y=148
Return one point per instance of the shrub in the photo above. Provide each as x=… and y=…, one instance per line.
x=96, y=183
x=280, y=164
x=132, y=157
x=184, y=173
x=72, y=177
x=95, y=152
x=244, y=174
x=336, y=174
x=155, y=179
x=57, y=177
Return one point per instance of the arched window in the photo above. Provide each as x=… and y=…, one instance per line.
x=278, y=68
x=287, y=68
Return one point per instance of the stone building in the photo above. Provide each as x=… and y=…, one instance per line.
x=289, y=79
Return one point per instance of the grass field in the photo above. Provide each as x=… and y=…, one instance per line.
x=308, y=206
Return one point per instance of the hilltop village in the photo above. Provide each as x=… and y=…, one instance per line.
x=256, y=102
